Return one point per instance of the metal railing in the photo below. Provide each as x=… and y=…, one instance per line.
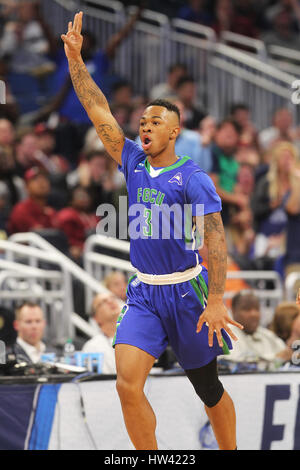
x=50, y=276
x=267, y=285
x=224, y=74
x=39, y=271
x=252, y=46
x=292, y=284
x=99, y=265
x=285, y=59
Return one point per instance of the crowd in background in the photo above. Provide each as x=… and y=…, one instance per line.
x=55, y=172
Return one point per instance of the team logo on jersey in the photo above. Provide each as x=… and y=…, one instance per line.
x=176, y=179
x=139, y=167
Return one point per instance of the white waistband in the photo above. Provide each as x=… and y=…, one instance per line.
x=173, y=278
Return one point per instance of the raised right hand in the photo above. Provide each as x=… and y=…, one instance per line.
x=73, y=39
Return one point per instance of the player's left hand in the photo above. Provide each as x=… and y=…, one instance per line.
x=216, y=317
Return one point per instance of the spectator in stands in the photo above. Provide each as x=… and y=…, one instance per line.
x=240, y=237
x=8, y=333
x=246, y=20
x=292, y=206
x=167, y=90
x=121, y=94
x=225, y=167
x=207, y=131
x=254, y=341
x=245, y=179
x=196, y=11
x=251, y=157
x=93, y=144
x=12, y=188
x=27, y=152
x=223, y=16
x=30, y=325
x=269, y=202
x=93, y=174
x=240, y=112
x=286, y=325
x=186, y=93
x=196, y=144
x=295, y=332
x=116, y=282
x=240, y=233
x=282, y=129
x=284, y=21
x=7, y=136
x=33, y=213
x=105, y=311
x=56, y=165
x=76, y=221
x=46, y=143
x=276, y=7
x=9, y=109
x=123, y=103
x=284, y=316
x=28, y=40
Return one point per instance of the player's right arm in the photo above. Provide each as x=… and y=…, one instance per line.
x=90, y=95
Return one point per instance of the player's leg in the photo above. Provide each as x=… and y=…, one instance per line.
x=218, y=404
x=133, y=366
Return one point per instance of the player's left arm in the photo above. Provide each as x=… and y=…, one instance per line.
x=215, y=314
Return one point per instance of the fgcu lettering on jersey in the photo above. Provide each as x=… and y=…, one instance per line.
x=150, y=195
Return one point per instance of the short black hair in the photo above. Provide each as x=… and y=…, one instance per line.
x=232, y=122
x=238, y=107
x=96, y=153
x=165, y=104
x=183, y=80
x=177, y=65
x=121, y=84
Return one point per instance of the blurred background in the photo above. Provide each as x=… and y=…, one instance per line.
x=231, y=67
x=228, y=65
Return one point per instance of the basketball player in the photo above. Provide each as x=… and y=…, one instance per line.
x=168, y=299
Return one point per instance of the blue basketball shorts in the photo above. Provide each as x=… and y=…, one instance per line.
x=155, y=316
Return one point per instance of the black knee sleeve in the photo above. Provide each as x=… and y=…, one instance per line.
x=206, y=383
x=210, y=395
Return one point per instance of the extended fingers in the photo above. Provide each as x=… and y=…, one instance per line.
x=235, y=323
x=228, y=330
x=210, y=336
x=200, y=324
x=78, y=22
x=217, y=329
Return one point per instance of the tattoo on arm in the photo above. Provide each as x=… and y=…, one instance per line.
x=91, y=97
x=112, y=136
x=86, y=89
x=214, y=238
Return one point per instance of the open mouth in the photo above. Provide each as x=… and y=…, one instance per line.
x=146, y=142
